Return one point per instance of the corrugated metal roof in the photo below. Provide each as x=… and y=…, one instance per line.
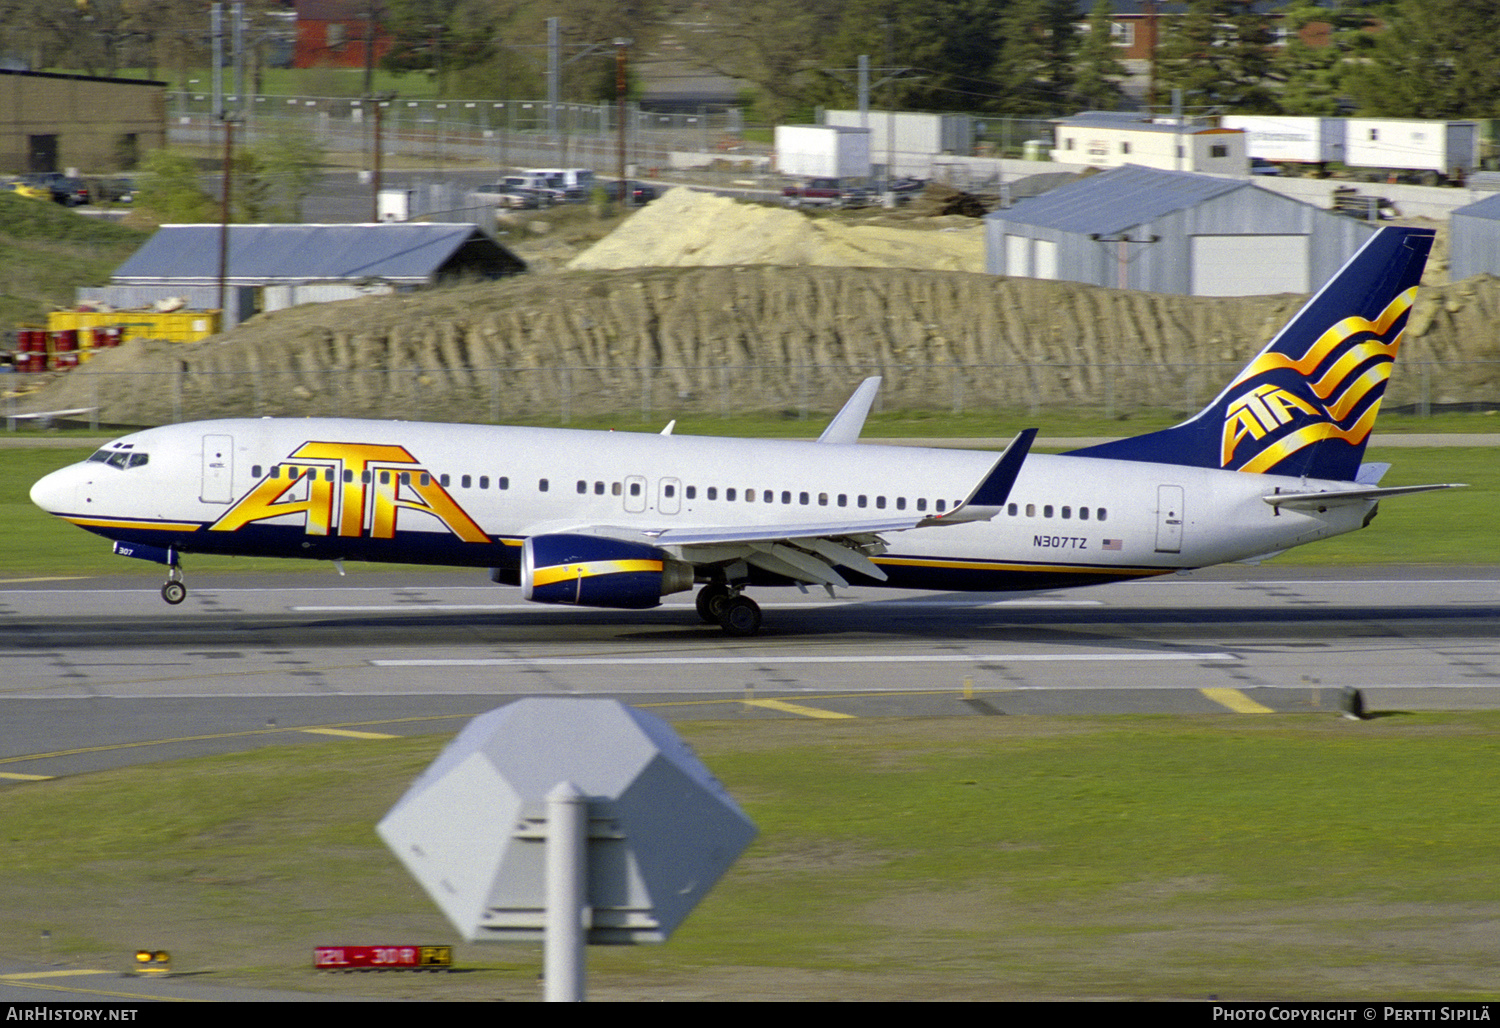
x=1135, y=123
x=1117, y=199
x=1488, y=208
x=404, y=253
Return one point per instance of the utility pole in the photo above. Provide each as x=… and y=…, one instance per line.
x=621, y=46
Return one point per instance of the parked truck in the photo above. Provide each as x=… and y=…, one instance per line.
x=823, y=151
x=1430, y=152
x=1290, y=143
x=1434, y=152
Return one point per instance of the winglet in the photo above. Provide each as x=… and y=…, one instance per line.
x=850, y=420
x=992, y=492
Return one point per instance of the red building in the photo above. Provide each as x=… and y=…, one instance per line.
x=340, y=33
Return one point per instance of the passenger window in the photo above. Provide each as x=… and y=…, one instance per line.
x=1011, y=509
x=348, y=474
x=1083, y=513
x=1102, y=514
x=880, y=502
x=768, y=496
x=941, y=505
x=385, y=478
x=583, y=487
x=729, y=494
x=254, y=471
x=541, y=486
x=843, y=499
x=1067, y=513
x=822, y=499
x=465, y=482
x=484, y=481
x=615, y=489
x=503, y=482
x=406, y=478
x=749, y=495
x=635, y=488
x=690, y=492
x=786, y=496
x=669, y=490
x=1031, y=510
x=860, y=501
x=900, y=503
x=1047, y=511
x=598, y=488
x=713, y=492
x=921, y=503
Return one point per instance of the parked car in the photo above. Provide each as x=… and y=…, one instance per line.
x=638, y=192
x=70, y=192
x=825, y=192
x=115, y=190
x=27, y=190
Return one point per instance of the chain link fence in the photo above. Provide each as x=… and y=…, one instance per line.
x=566, y=395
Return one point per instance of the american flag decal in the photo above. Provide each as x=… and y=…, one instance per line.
x=1111, y=544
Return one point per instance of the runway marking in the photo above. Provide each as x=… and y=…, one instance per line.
x=25, y=778
x=26, y=981
x=796, y=708
x=347, y=733
x=914, y=658
x=1236, y=701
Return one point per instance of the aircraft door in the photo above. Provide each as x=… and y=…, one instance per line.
x=1169, y=519
x=218, y=469
x=668, y=496
x=635, y=493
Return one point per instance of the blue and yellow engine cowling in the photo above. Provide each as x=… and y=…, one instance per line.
x=589, y=571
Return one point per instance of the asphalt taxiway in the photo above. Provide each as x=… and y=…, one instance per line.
x=100, y=673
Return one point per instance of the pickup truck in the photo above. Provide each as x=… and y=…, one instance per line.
x=824, y=192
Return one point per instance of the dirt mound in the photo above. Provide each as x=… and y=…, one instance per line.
x=686, y=228
x=666, y=341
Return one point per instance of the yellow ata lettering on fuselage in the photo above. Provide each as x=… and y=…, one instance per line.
x=349, y=487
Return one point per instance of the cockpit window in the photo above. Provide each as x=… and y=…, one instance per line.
x=121, y=459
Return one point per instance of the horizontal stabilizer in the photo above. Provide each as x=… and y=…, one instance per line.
x=1339, y=497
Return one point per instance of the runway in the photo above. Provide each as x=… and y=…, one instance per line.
x=100, y=673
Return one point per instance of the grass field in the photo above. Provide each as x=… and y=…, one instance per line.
x=986, y=858
x=1452, y=527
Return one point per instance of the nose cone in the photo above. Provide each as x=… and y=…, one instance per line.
x=54, y=493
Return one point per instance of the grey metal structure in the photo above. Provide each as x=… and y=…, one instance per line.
x=1171, y=232
x=287, y=265
x=1474, y=239
x=474, y=828
x=402, y=254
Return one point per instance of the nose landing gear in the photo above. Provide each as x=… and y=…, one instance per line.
x=725, y=606
x=174, y=591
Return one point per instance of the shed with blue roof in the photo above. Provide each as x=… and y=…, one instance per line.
x=1172, y=232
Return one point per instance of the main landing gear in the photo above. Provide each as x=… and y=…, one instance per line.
x=174, y=591
x=725, y=606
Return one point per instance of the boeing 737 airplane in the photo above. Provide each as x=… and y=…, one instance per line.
x=620, y=519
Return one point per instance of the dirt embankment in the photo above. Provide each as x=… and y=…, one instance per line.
x=748, y=334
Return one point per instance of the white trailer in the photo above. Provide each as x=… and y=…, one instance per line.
x=823, y=151
x=909, y=141
x=1290, y=140
x=1438, y=150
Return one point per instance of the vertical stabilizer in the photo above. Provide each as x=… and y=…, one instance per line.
x=1307, y=403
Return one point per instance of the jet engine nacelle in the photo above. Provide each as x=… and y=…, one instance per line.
x=591, y=571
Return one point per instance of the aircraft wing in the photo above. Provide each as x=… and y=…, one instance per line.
x=1340, y=497
x=809, y=551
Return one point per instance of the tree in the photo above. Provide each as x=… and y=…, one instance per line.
x=1035, y=67
x=1219, y=53
x=1098, y=70
x=287, y=165
x=776, y=45
x=1433, y=59
x=170, y=191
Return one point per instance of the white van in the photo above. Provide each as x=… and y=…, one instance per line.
x=578, y=183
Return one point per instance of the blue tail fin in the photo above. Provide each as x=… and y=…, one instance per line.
x=1306, y=404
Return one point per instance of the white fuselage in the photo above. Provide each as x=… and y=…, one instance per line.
x=337, y=492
